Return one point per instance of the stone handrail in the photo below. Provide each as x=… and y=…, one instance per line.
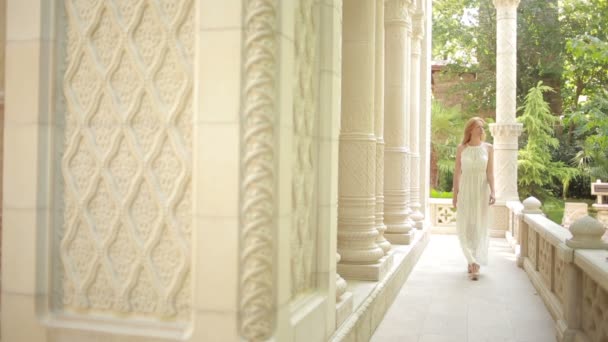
x=514, y=209
x=569, y=268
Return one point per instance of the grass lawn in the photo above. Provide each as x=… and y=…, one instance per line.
x=554, y=208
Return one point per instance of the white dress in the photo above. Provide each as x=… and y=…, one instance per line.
x=473, y=204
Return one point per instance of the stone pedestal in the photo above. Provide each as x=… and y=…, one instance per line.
x=344, y=299
x=602, y=216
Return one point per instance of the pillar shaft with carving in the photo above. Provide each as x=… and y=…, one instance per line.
x=379, y=126
x=357, y=232
x=397, y=24
x=417, y=35
x=506, y=130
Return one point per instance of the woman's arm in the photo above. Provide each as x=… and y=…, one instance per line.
x=456, y=178
x=490, y=172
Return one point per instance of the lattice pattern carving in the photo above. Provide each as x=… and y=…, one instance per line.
x=594, y=310
x=545, y=261
x=558, y=280
x=305, y=114
x=125, y=243
x=257, y=295
x=532, y=245
x=445, y=216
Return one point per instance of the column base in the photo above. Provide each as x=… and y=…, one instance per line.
x=418, y=219
x=400, y=238
x=344, y=308
x=372, y=272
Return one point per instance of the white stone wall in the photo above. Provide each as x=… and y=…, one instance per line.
x=123, y=244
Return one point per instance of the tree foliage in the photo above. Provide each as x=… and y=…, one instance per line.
x=446, y=132
x=591, y=133
x=536, y=169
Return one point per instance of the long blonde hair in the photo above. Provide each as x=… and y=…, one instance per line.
x=468, y=129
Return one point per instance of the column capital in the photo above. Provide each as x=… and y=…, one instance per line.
x=506, y=129
x=418, y=25
x=397, y=11
x=506, y=3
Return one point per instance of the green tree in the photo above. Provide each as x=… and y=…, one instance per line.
x=591, y=133
x=536, y=169
x=454, y=31
x=584, y=87
x=446, y=132
x=540, y=58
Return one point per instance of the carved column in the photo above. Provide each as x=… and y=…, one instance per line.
x=357, y=232
x=379, y=126
x=417, y=34
x=506, y=130
x=397, y=24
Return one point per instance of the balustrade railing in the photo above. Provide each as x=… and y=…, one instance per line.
x=443, y=215
x=569, y=268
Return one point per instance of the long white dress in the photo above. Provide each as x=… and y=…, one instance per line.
x=473, y=204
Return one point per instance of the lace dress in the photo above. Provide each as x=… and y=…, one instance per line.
x=473, y=196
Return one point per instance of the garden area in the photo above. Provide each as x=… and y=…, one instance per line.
x=562, y=93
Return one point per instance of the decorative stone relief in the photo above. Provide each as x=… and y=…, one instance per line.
x=397, y=10
x=558, y=279
x=532, y=235
x=446, y=215
x=125, y=244
x=305, y=116
x=256, y=290
x=595, y=310
x=545, y=261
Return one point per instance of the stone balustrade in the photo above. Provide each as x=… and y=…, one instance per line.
x=569, y=268
x=442, y=215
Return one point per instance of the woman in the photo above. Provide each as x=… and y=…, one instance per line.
x=473, y=190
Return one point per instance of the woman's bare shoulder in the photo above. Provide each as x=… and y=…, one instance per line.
x=489, y=146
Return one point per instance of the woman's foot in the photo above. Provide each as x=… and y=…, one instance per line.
x=474, y=268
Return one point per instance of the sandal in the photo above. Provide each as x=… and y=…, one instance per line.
x=474, y=275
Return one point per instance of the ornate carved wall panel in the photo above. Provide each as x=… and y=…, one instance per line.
x=594, y=318
x=305, y=120
x=545, y=261
x=125, y=243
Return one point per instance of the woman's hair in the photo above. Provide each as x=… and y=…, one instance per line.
x=468, y=128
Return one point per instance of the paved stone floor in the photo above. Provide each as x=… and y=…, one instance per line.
x=438, y=303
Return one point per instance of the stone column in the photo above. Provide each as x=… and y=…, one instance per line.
x=506, y=130
x=379, y=126
x=417, y=34
x=397, y=24
x=357, y=232
x=425, y=113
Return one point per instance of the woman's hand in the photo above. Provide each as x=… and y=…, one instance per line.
x=492, y=198
x=455, y=201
